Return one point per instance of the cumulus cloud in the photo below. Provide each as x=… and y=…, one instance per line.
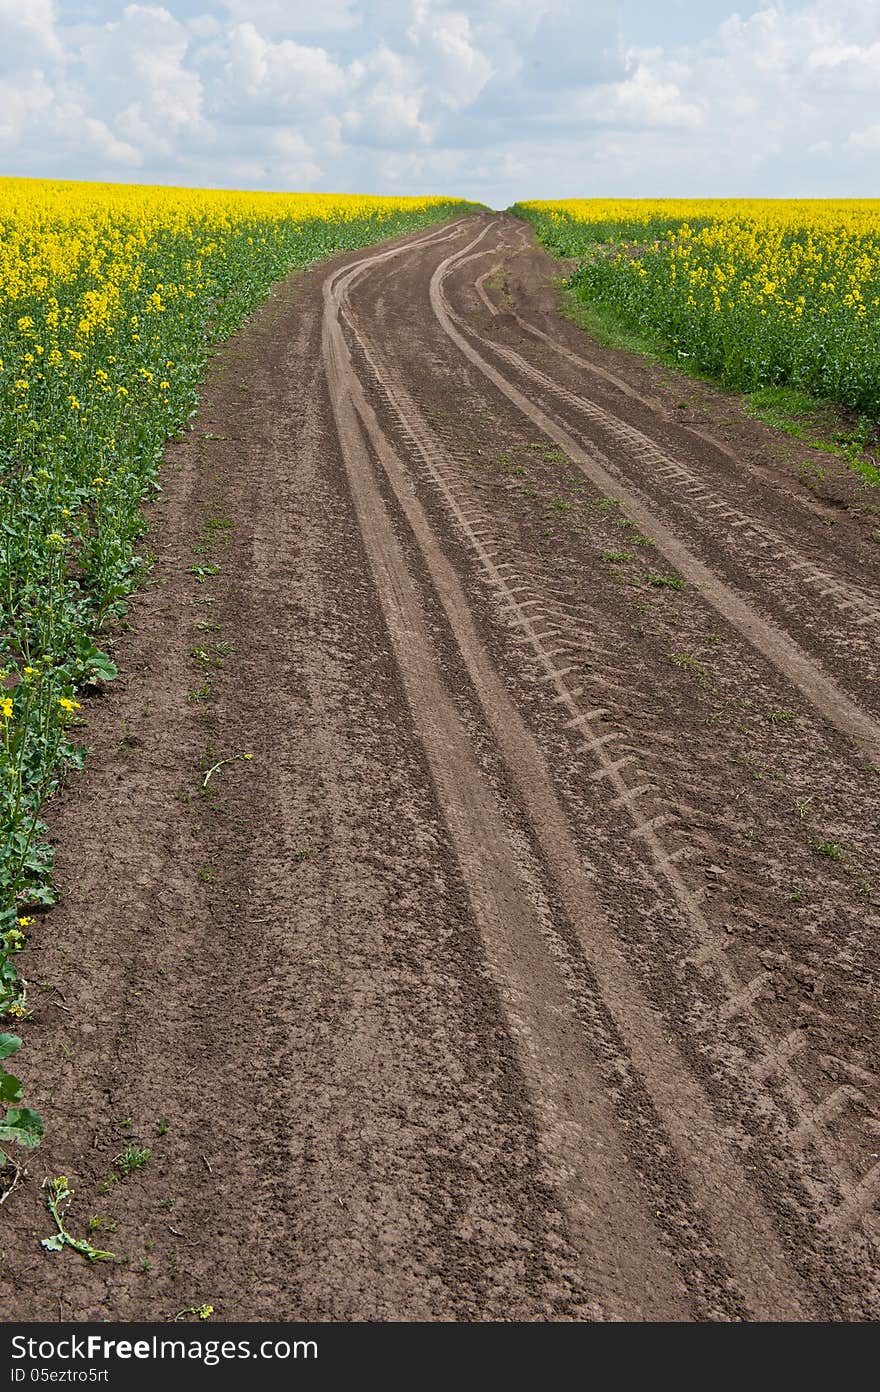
x=272, y=81
x=385, y=99
x=495, y=99
x=295, y=16
x=29, y=34
x=642, y=100
x=136, y=75
x=867, y=139
x=444, y=45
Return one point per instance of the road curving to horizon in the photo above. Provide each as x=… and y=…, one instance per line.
x=528, y=968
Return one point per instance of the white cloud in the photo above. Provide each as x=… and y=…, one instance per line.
x=29, y=34
x=385, y=102
x=444, y=43
x=493, y=98
x=273, y=81
x=867, y=139
x=22, y=103
x=135, y=75
x=644, y=99
x=295, y=16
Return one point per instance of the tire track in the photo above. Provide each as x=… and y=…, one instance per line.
x=732, y=1209
x=777, y=646
x=549, y=633
x=858, y=605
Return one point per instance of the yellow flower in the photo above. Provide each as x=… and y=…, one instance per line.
x=67, y=704
x=6, y=706
x=17, y=1010
x=25, y=921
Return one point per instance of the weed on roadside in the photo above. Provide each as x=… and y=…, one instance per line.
x=832, y=850
x=131, y=1159
x=666, y=582
x=692, y=665
x=59, y=1196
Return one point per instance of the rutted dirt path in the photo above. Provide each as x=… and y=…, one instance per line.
x=527, y=970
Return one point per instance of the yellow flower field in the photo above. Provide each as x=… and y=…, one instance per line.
x=109, y=297
x=758, y=292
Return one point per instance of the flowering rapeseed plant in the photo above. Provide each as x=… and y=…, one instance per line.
x=757, y=292
x=109, y=295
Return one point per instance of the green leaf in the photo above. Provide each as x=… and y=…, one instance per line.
x=53, y=1244
x=9, y=1044
x=102, y=667
x=23, y=1125
x=10, y=1088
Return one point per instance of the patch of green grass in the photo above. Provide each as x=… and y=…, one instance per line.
x=551, y=453
x=130, y=1159
x=692, y=665
x=666, y=582
x=819, y=423
x=96, y=1224
x=610, y=329
x=788, y=408
x=831, y=849
x=617, y=557
x=201, y=694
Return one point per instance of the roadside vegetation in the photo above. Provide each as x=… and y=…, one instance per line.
x=109, y=298
x=777, y=299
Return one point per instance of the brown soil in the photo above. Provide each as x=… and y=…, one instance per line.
x=527, y=970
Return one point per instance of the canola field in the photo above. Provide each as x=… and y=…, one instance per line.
x=754, y=292
x=109, y=298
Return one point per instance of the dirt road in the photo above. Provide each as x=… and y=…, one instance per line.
x=527, y=969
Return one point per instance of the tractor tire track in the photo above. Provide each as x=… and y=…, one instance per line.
x=715, y=1176
x=481, y=992
x=851, y=1193
x=774, y=643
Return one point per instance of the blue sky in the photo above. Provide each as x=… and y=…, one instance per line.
x=495, y=100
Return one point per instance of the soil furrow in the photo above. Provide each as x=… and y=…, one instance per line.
x=526, y=969
x=711, y=949
x=775, y=644
x=664, y=1076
